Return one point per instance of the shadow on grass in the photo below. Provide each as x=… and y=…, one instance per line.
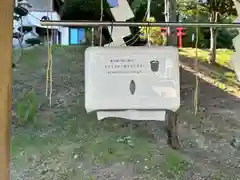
x=217, y=72
x=223, y=57
x=207, y=92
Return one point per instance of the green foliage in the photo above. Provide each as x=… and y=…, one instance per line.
x=175, y=165
x=186, y=9
x=82, y=9
x=202, y=41
x=33, y=41
x=187, y=39
x=17, y=18
x=225, y=37
x=26, y=108
x=222, y=7
x=155, y=33
x=126, y=140
x=91, y=9
x=20, y=11
x=88, y=37
x=226, y=14
x=139, y=8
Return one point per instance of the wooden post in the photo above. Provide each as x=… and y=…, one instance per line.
x=6, y=22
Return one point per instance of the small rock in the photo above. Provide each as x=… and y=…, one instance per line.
x=236, y=142
x=44, y=171
x=76, y=156
x=22, y=153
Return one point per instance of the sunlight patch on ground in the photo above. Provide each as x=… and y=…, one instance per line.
x=223, y=57
x=215, y=82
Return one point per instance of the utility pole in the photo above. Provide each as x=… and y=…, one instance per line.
x=6, y=21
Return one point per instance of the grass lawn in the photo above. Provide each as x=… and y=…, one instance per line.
x=223, y=56
x=65, y=143
x=223, y=73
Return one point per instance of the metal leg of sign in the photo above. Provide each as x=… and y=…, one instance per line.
x=172, y=122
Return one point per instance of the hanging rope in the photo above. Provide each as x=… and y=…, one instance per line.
x=196, y=92
x=101, y=19
x=49, y=66
x=148, y=18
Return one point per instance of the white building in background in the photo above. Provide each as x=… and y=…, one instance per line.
x=38, y=10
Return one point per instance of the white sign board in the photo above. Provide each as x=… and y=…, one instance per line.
x=132, y=78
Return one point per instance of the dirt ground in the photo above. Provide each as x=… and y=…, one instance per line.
x=64, y=143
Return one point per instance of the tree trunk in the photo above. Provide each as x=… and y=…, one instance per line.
x=213, y=44
x=213, y=39
x=171, y=16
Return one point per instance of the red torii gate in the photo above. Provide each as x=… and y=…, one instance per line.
x=180, y=33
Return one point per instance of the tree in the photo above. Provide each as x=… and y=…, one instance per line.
x=171, y=16
x=216, y=11
x=90, y=10
x=156, y=37
x=84, y=10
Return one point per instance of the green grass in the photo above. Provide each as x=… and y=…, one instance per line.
x=223, y=57
x=63, y=142
x=223, y=74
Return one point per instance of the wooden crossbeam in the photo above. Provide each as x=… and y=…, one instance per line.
x=6, y=21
